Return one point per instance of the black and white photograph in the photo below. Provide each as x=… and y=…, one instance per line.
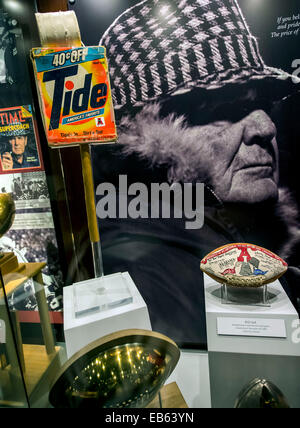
x=32, y=237
x=14, y=79
x=42, y=247
x=28, y=190
x=204, y=91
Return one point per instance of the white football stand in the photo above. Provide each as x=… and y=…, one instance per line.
x=249, y=341
x=100, y=306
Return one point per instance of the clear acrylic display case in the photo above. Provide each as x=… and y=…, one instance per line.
x=100, y=294
x=253, y=296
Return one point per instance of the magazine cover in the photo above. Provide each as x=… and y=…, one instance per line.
x=18, y=144
x=206, y=96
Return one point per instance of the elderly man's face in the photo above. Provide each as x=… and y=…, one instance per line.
x=240, y=159
x=18, y=145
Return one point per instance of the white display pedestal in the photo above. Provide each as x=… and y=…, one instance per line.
x=245, y=342
x=82, y=330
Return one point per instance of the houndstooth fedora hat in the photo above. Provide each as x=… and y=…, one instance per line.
x=162, y=48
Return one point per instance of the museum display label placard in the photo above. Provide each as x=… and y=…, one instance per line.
x=257, y=327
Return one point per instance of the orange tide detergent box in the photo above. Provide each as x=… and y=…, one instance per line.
x=74, y=94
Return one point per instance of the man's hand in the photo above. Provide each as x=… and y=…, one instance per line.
x=7, y=161
x=10, y=80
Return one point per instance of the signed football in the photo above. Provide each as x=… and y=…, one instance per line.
x=243, y=265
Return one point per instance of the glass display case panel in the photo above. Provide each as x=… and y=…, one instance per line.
x=12, y=385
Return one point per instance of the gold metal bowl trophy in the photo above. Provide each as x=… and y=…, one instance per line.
x=125, y=369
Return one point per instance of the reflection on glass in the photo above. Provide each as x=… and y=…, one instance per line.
x=261, y=394
x=7, y=212
x=12, y=390
x=124, y=372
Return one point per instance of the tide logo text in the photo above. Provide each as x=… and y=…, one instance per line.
x=77, y=101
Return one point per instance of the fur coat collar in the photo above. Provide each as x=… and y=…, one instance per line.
x=169, y=143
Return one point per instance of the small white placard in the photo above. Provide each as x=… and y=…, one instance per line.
x=258, y=327
x=2, y=332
